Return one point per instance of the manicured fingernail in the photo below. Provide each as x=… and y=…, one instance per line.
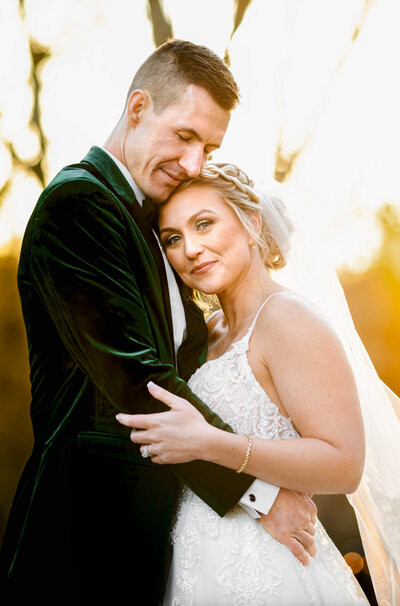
x=117, y=417
x=151, y=385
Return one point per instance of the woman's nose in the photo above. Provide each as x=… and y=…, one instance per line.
x=193, y=247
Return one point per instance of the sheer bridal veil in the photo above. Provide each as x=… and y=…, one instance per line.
x=377, y=501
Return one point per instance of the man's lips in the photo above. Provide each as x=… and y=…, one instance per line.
x=202, y=268
x=175, y=179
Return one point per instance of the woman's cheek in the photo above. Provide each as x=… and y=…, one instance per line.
x=177, y=262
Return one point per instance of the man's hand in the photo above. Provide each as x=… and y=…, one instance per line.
x=291, y=521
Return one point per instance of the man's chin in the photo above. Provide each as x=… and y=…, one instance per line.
x=163, y=194
x=159, y=198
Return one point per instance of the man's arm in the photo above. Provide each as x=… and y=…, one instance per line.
x=81, y=263
x=259, y=498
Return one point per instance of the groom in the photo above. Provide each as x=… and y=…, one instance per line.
x=104, y=315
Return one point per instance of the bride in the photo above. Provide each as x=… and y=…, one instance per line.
x=281, y=370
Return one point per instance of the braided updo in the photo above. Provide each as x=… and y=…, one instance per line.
x=237, y=191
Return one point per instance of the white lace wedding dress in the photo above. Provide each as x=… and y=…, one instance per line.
x=232, y=561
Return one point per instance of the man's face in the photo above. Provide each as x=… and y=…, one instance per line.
x=162, y=150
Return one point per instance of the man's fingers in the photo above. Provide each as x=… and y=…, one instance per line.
x=312, y=507
x=307, y=542
x=297, y=550
x=310, y=529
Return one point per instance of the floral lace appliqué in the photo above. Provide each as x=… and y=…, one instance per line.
x=233, y=557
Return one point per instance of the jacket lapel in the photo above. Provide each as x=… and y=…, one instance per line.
x=99, y=163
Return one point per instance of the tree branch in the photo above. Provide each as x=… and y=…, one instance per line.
x=162, y=26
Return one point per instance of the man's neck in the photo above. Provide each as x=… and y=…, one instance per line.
x=124, y=170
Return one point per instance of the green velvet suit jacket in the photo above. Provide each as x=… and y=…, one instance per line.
x=91, y=518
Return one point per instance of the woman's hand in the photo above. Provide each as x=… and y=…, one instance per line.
x=178, y=435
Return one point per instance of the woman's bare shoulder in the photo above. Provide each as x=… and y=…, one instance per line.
x=289, y=315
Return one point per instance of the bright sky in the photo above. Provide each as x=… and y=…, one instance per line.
x=285, y=57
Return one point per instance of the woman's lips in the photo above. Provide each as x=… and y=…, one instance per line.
x=202, y=268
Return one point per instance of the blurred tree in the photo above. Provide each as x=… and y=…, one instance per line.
x=240, y=8
x=284, y=160
x=161, y=24
x=374, y=301
x=38, y=54
x=15, y=427
x=377, y=322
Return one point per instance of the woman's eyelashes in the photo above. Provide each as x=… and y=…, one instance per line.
x=201, y=225
x=171, y=240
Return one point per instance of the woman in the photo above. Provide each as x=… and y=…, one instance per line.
x=279, y=374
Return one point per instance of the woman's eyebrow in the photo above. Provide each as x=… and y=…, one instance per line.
x=192, y=218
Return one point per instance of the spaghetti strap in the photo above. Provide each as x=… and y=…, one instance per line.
x=242, y=344
x=250, y=331
x=279, y=292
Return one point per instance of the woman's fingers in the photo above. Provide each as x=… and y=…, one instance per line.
x=165, y=396
x=136, y=421
x=175, y=403
x=171, y=436
x=159, y=393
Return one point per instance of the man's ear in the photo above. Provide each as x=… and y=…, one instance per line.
x=138, y=102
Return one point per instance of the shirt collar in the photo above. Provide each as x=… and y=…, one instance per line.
x=140, y=196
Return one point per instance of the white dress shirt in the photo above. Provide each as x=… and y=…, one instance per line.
x=260, y=496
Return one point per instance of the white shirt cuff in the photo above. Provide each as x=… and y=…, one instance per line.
x=259, y=497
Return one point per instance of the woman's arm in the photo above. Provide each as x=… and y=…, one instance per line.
x=314, y=383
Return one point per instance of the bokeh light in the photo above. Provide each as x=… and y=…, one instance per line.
x=316, y=81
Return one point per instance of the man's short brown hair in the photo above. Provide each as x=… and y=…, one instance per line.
x=169, y=70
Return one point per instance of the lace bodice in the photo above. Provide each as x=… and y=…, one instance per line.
x=229, y=387
x=232, y=560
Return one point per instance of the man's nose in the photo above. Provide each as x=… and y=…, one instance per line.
x=193, y=160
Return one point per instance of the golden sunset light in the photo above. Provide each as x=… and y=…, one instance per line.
x=318, y=123
x=306, y=85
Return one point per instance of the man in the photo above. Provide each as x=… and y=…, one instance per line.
x=97, y=296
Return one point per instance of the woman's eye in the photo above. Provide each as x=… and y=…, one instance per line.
x=183, y=138
x=203, y=224
x=174, y=239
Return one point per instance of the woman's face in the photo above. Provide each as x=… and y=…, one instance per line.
x=204, y=240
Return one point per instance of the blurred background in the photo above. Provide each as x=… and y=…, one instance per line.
x=319, y=112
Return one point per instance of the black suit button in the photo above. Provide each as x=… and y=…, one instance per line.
x=252, y=497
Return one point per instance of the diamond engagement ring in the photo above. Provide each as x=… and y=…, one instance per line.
x=145, y=452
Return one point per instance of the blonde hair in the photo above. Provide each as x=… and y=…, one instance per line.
x=237, y=191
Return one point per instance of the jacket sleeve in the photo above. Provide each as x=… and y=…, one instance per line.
x=81, y=265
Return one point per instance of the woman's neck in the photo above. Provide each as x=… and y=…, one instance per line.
x=241, y=301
